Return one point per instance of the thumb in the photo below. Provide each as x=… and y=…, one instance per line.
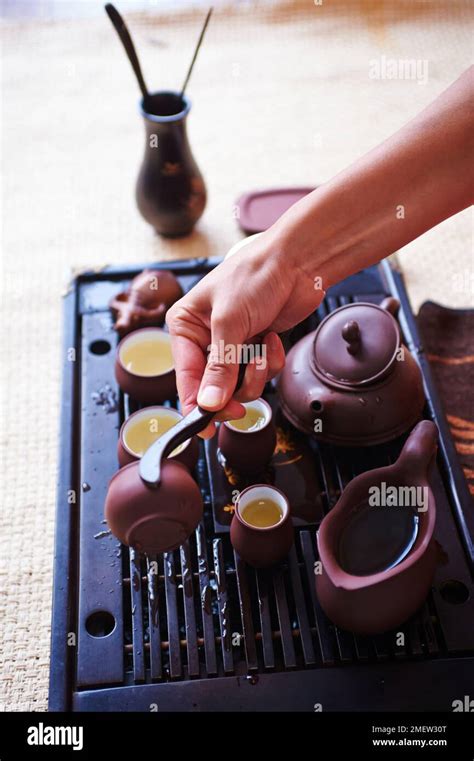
x=220, y=375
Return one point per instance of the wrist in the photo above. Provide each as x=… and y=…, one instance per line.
x=301, y=242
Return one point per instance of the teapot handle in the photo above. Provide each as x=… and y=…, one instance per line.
x=390, y=304
x=419, y=449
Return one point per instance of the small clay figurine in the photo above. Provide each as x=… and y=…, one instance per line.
x=144, y=304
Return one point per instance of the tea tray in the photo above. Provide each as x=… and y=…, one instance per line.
x=206, y=632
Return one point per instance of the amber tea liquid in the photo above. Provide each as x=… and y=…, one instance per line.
x=252, y=420
x=148, y=357
x=261, y=513
x=141, y=433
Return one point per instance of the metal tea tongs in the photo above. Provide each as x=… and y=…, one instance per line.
x=195, y=422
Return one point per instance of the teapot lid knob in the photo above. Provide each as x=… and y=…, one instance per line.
x=355, y=345
x=351, y=334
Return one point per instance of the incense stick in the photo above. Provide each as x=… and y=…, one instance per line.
x=199, y=42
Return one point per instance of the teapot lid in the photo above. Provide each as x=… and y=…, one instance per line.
x=356, y=345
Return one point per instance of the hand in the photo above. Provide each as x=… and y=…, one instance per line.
x=257, y=292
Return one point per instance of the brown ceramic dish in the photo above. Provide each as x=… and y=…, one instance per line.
x=249, y=451
x=153, y=520
x=145, y=387
x=128, y=451
x=400, y=572
x=260, y=209
x=352, y=382
x=262, y=547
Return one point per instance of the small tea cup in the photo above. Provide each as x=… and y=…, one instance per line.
x=133, y=442
x=261, y=546
x=144, y=366
x=249, y=450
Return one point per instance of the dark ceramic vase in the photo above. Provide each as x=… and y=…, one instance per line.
x=170, y=191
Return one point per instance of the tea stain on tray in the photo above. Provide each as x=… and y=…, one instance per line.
x=102, y=534
x=106, y=398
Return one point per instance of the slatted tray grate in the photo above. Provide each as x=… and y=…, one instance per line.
x=200, y=613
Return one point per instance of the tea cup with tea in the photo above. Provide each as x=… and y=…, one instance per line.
x=144, y=366
x=143, y=427
x=247, y=444
x=261, y=530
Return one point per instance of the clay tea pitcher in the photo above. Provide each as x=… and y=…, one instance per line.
x=376, y=545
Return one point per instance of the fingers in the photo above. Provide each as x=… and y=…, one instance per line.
x=254, y=381
x=189, y=362
x=210, y=380
x=275, y=354
x=221, y=371
x=190, y=365
x=231, y=411
x=262, y=368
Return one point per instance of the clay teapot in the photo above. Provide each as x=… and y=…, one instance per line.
x=376, y=545
x=153, y=520
x=352, y=381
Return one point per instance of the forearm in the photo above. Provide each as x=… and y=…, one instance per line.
x=405, y=186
